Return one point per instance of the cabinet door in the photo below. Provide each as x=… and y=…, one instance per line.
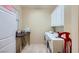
x=58, y=16
x=62, y=15
x=57, y=21
x=54, y=18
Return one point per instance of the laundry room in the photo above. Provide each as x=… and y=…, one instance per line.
x=39, y=29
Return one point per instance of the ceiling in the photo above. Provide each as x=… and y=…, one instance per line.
x=44, y=7
x=39, y=6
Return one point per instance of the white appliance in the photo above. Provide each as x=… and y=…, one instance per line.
x=56, y=44
x=8, y=27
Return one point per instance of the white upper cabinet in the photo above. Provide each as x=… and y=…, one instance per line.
x=57, y=16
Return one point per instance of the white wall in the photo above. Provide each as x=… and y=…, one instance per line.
x=39, y=21
x=74, y=27
x=19, y=10
x=72, y=24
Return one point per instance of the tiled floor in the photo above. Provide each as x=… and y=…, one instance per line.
x=35, y=48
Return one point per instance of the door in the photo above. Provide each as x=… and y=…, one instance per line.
x=8, y=24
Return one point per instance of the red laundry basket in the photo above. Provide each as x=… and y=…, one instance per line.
x=67, y=41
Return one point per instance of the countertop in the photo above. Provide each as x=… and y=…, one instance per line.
x=21, y=34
